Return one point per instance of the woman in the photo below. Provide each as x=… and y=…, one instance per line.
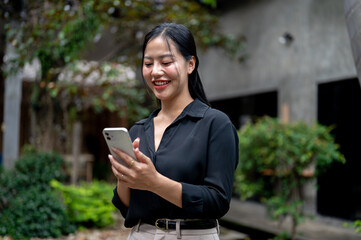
x=187, y=152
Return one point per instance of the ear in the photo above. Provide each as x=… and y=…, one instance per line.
x=191, y=65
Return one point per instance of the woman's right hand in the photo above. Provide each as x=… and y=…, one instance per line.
x=139, y=174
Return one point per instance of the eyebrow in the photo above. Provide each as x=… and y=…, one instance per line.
x=161, y=56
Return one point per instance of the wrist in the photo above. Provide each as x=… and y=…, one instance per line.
x=157, y=184
x=167, y=188
x=121, y=185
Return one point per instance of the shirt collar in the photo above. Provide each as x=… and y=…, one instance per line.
x=195, y=109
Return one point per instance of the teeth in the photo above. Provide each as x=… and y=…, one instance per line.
x=160, y=83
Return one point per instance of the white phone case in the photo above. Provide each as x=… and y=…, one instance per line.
x=119, y=138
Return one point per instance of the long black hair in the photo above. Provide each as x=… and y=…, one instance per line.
x=185, y=44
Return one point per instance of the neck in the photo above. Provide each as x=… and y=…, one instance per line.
x=174, y=107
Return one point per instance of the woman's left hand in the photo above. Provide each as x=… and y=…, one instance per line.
x=140, y=173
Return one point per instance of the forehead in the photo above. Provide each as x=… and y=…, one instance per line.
x=161, y=45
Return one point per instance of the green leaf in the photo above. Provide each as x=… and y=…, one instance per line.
x=88, y=203
x=272, y=159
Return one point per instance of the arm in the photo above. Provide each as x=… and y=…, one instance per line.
x=123, y=193
x=122, y=190
x=211, y=199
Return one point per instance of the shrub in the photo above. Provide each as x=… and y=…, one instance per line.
x=28, y=205
x=35, y=213
x=34, y=169
x=276, y=160
x=88, y=205
x=355, y=225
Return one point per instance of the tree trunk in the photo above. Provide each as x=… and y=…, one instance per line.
x=352, y=10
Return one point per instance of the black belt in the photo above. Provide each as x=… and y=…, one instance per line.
x=165, y=224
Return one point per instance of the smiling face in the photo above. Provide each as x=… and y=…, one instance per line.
x=166, y=70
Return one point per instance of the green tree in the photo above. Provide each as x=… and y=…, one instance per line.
x=58, y=33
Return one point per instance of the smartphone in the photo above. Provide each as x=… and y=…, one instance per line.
x=119, y=138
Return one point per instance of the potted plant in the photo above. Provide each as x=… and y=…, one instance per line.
x=275, y=161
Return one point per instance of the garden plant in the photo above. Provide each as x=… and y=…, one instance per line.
x=277, y=159
x=36, y=202
x=88, y=205
x=29, y=206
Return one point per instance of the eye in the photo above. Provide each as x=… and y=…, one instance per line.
x=148, y=64
x=167, y=63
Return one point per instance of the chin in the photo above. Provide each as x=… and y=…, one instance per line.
x=162, y=97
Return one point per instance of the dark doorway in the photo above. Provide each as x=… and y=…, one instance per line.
x=339, y=192
x=241, y=109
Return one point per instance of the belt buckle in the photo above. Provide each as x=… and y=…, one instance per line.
x=162, y=219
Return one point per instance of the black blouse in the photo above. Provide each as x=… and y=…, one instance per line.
x=199, y=150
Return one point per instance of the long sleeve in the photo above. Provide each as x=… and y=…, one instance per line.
x=118, y=203
x=212, y=198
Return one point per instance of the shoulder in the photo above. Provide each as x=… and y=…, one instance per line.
x=202, y=110
x=220, y=124
x=217, y=116
x=215, y=113
x=138, y=128
x=138, y=125
x=146, y=120
x=208, y=115
x=141, y=122
x=221, y=128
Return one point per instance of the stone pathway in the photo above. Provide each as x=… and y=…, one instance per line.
x=122, y=234
x=115, y=232
x=253, y=215
x=88, y=235
x=95, y=235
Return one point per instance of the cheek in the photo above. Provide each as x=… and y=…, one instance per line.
x=146, y=73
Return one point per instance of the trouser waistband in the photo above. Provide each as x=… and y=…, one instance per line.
x=150, y=227
x=166, y=224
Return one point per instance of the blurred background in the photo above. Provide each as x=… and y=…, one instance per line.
x=71, y=68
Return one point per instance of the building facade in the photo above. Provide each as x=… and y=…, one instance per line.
x=299, y=68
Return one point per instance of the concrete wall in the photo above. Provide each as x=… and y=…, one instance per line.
x=320, y=52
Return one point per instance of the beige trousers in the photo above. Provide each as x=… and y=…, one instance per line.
x=145, y=231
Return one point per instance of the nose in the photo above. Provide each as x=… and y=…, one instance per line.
x=157, y=70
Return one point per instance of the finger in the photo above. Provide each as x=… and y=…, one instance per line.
x=136, y=146
x=131, y=163
x=111, y=159
x=115, y=164
x=141, y=157
x=119, y=168
x=136, y=143
x=125, y=157
x=119, y=175
x=122, y=177
x=116, y=173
